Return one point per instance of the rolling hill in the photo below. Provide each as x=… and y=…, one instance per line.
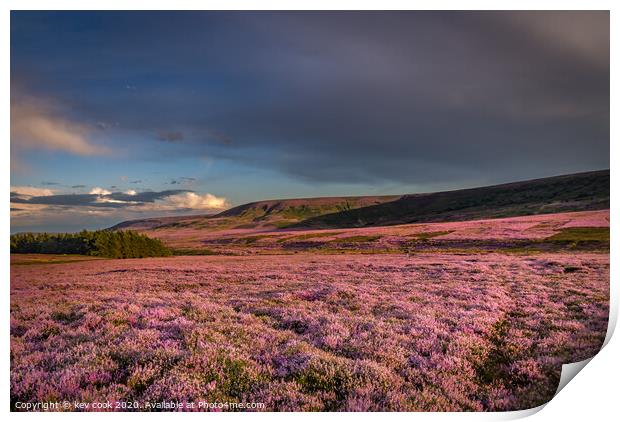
x=573, y=192
x=277, y=213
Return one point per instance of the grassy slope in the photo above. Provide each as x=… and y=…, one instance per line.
x=270, y=213
x=575, y=192
x=32, y=258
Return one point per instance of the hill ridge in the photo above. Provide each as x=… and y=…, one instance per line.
x=569, y=192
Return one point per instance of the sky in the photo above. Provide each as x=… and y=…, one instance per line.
x=125, y=115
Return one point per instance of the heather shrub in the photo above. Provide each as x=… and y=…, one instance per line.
x=441, y=332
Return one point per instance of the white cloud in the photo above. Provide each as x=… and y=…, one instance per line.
x=33, y=215
x=105, y=199
x=37, y=123
x=31, y=191
x=198, y=202
x=99, y=191
x=131, y=192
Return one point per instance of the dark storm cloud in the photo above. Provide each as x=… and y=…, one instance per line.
x=409, y=97
x=219, y=137
x=111, y=200
x=72, y=199
x=147, y=196
x=170, y=136
x=49, y=183
x=182, y=180
x=78, y=186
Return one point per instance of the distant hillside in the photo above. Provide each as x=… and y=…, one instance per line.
x=303, y=208
x=574, y=192
x=156, y=222
x=277, y=213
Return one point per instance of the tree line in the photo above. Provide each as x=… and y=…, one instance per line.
x=103, y=243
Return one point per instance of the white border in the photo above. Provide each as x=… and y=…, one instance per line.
x=591, y=396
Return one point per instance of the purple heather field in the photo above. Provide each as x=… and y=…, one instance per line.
x=372, y=329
